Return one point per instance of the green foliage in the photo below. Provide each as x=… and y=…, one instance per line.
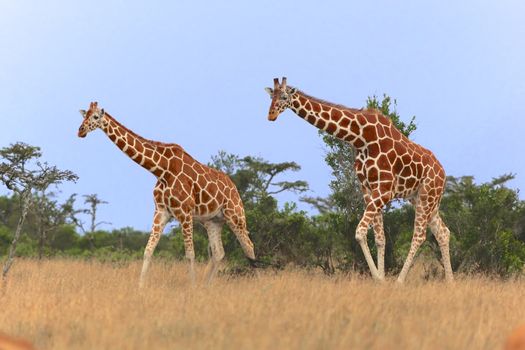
x=5, y=239
x=64, y=238
x=485, y=219
x=276, y=233
x=510, y=251
x=200, y=243
x=387, y=106
x=255, y=177
x=487, y=222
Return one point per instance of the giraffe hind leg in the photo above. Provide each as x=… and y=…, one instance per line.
x=442, y=234
x=424, y=211
x=215, y=247
x=186, y=222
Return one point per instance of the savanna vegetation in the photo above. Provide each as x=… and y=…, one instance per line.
x=79, y=304
x=487, y=220
x=75, y=284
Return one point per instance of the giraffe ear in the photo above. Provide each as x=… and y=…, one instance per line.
x=291, y=90
x=269, y=91
x=83, y=113
x=102, y=112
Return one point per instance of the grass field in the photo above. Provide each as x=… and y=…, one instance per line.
x=63, y=304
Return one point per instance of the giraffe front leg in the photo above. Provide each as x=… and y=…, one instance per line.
x=362, y=229
x=379, y=236
x=160, y=219
x=187, y=233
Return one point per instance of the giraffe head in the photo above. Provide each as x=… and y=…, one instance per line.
x=92, y=119
x=281, y=98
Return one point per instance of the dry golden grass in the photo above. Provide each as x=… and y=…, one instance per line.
x=61, y=304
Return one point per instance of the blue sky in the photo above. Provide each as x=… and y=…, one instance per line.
x=194, y=72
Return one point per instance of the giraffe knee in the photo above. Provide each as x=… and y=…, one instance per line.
x=440, y=231
x=380, y=241
x=188, y=248
x=218, y=255
x=360, y=234
x=147, y=254
x=417, y=241
x=443, y=237
x=217, y=251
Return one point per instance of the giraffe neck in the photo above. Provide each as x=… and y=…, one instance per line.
x=342, y=122
x=146, y=153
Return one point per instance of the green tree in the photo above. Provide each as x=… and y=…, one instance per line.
x=485, y=219
x=49, y=215
x=22, y=172
x=276, y=233
x=255, y=177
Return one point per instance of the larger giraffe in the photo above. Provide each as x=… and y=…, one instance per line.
x=388, y=166
x=186, y=190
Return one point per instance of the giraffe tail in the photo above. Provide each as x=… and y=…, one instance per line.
x=247, y=247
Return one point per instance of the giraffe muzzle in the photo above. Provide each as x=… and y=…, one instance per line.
x=272, y=116
x=82, y=132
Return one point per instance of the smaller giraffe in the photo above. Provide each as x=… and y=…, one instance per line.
x=186, y=190
x=388, y=165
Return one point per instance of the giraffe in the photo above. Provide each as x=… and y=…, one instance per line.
x=388, y=166
x=185, y=190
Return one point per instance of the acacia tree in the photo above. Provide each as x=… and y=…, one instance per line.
x=22, y=172
x=93, y=202
x=255, y=177
x=49, y=215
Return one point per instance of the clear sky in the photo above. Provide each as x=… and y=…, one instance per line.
x=194, y=72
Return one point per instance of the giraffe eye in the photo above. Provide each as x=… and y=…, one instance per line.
x=284, y=97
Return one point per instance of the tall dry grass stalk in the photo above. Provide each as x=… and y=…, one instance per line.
x=61, y=304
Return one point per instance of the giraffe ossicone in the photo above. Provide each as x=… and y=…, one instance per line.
x=388, y=165
x=186, y=190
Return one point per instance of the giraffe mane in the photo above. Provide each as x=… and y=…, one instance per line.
x=363, y=110
x=331, y=104
x=145, y=140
